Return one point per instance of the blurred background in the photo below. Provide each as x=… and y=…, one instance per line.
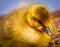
x=7, y=6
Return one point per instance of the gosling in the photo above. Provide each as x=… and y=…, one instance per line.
x=27, y=27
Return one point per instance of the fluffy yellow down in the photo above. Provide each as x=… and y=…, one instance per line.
x=19, y=28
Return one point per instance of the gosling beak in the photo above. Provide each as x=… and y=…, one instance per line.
x=45, y=29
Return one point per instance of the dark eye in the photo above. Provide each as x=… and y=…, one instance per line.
x=39, y=22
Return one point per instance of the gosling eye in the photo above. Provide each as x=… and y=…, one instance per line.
x=39, y=22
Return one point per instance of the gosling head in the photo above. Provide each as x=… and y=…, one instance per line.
x=38, y=17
